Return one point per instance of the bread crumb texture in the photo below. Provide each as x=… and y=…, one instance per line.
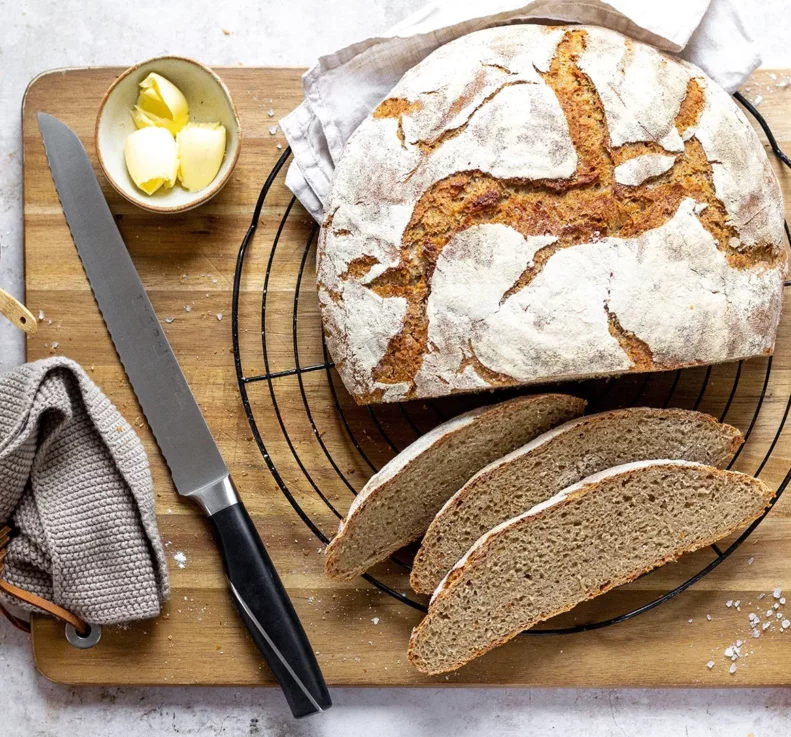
x=536, y=203
x=553, y=461
x=398, y=503
x=593, y=536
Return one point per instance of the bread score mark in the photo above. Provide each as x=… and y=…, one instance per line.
x=585, y=208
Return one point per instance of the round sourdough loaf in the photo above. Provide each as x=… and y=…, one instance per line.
x=535, y=203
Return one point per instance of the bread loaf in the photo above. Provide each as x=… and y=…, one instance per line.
x=601, y=533
x=561, y=457
x=534, y=203
x=397, y=504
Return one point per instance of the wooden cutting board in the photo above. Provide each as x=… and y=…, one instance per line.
x=359, y=634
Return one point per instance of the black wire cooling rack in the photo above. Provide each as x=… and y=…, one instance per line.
x=747, y=385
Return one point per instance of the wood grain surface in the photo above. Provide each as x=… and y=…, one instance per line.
x=359, y=634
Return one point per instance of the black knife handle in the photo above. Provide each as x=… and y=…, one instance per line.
x=268, y=613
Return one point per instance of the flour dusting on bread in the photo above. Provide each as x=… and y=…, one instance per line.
x=539, y=203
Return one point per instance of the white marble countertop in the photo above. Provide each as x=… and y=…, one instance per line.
x=43, y=34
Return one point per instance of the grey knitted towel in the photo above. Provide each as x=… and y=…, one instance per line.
x=75, y=483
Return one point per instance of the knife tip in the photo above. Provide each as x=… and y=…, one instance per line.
x=45, y=120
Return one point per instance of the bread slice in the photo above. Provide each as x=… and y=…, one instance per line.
x=397, y=504
x=601, y=533
x=557, y=459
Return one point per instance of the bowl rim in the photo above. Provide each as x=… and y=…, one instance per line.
x=215, y=186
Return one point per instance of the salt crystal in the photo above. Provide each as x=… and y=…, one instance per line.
x=279, y=146
x=180, y=559
x=708, y=616
x=375, y=620
x=41, y=314
x=270, y=113
x=737, y=602
x=758, y=100
x=783, y=600
x=690, y=621
x=750, y=562
x=710, y=664
x=775, y=606
x=769, y=612
x=729, y=651
x=756, y=633
x=219, y=315
x=732, y=669
x=777, y=593
x=785, y=624
x=188, y=308
x=765, y=625
x=761, y=596
x=772, y=76
x=273, y=130
x=739, y=643
x=169, y=320
x=729, y=603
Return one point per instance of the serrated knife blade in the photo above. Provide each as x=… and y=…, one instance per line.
x=149, y=362
x=193, y=458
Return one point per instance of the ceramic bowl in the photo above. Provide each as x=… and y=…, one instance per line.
x=209, y=101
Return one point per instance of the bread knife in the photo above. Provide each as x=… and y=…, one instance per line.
x=193, y=458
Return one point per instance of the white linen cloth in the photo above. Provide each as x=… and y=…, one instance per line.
x=342, y=88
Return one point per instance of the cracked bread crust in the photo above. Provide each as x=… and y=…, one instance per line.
x=539, y=203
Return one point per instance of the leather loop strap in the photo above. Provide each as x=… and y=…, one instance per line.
x=36, y=601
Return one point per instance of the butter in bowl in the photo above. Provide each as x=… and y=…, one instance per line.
x=168, y=134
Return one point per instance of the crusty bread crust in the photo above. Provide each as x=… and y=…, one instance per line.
x=519, y=209
x=479, y=551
